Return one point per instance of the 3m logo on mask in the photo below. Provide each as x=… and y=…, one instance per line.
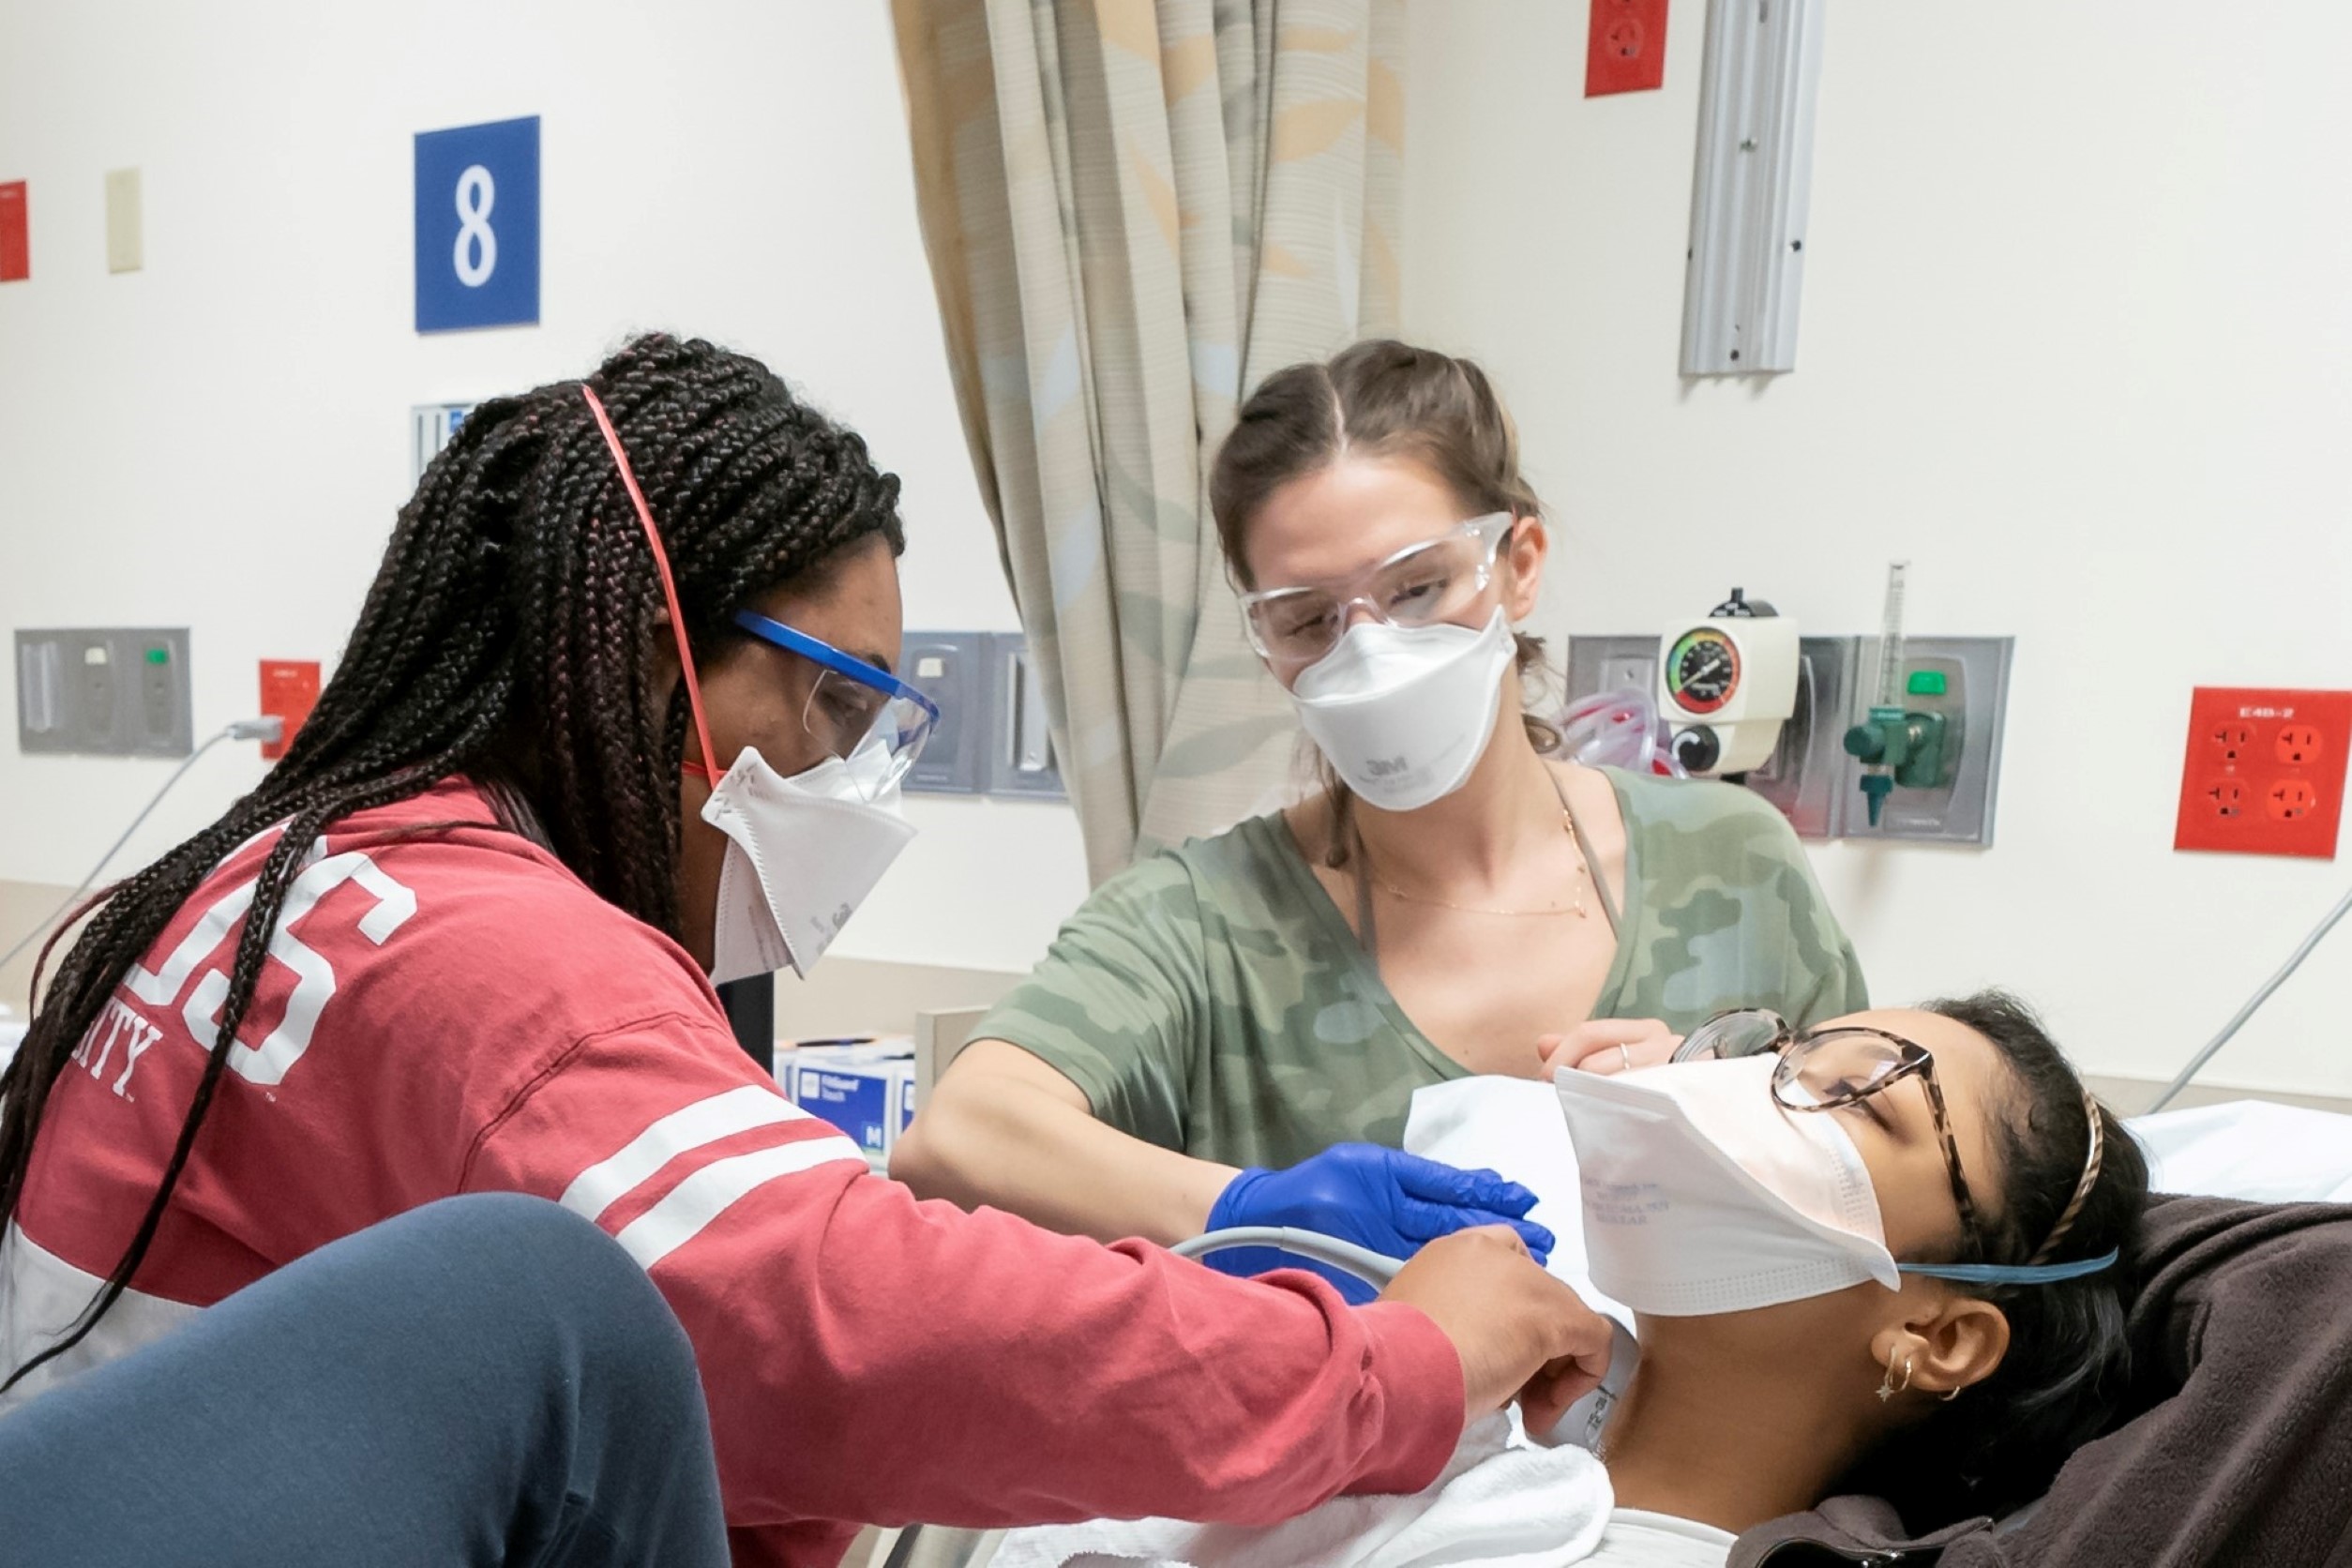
x=1434, y=690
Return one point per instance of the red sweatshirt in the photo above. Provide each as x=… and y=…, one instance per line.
x=446, y=1009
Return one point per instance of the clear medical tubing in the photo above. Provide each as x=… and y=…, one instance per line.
x=1891, y=638
x=2196, y=1063
x=1617, y=730
x=1372, y=1267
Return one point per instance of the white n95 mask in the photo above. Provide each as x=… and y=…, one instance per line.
x=1702, y=1195
x=1404, y=713
x=802, y=853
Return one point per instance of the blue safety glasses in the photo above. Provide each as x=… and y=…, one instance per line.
x=862, y=714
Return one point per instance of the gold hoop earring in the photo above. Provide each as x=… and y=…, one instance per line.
x=1887, y=1387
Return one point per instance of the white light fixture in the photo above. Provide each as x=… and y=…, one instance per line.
x=1749, y=194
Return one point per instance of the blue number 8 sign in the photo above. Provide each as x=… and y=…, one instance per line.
x=478, y=226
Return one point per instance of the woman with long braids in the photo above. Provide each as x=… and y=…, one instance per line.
x=618, y=716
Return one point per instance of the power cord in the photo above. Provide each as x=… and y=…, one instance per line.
x=2196, y=1063
x=266, y=728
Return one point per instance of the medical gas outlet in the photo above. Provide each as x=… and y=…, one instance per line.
x=1727, y=684
x=1902, y=746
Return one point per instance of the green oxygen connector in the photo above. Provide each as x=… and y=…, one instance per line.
x=1875, y=787
x=1899, y=747
x=1884, y=739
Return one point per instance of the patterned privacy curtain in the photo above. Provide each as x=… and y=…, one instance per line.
x=1134, y=210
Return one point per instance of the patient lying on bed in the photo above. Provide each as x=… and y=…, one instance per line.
x=1870, y=1255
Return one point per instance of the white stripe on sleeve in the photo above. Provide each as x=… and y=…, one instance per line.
x=723, y=1115
x=701, y=1197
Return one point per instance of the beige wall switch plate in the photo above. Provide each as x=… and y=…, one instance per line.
x=126, y=239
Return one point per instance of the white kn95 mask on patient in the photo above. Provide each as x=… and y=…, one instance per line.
x=1404, y=713
x=802, y=853
x=1702, y=1195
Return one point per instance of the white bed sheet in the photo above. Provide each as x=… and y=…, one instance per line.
x=2250, y=1149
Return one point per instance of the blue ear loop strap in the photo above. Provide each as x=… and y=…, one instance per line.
x=1378, y=1269
x=2012, y=1274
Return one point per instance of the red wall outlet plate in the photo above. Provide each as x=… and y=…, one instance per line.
x=1626, y=50
x=16, y=243
x=2265, y=771
x=290, y=689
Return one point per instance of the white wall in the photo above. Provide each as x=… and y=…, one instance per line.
x=221, y=440
x=2077, y=339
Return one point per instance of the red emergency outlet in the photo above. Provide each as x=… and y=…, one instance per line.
x=1627, y=50
x=16, y=234
x=289, y=689
x=2265, y=771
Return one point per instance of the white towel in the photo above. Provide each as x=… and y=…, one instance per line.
x=1498, y=1505
x=1514, y=1126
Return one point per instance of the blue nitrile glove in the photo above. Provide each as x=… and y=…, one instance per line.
x=1383, y=1198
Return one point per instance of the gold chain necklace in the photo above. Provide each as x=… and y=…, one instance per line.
x=1583, y=875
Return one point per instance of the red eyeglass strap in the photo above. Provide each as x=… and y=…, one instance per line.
x=669, y=587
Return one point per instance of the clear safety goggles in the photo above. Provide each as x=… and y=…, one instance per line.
x=1828, y=1069
x=858, y=712
x=1438, y=579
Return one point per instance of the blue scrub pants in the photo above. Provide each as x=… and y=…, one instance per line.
x=484, y=1380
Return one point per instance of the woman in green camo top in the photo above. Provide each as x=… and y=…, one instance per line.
x=1452, y=901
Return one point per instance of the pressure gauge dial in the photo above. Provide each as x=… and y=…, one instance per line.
x=1703, y=670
